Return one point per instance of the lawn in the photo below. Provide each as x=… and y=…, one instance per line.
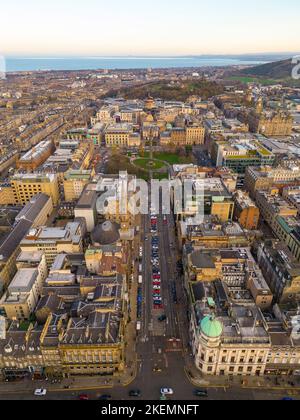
x=245, y=79
x=145, y=164
x=171, y=158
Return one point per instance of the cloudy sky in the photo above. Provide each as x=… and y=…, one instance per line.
x=156, y=27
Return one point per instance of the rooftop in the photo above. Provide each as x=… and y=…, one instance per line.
x=23, y=280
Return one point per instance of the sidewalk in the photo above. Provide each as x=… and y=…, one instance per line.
x=258, y=383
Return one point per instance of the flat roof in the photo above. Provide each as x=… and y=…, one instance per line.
x=23, y=280
x=87, y=199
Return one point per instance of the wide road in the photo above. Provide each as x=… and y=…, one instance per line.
x=160, y=346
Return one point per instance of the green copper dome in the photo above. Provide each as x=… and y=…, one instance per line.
x=211, y=327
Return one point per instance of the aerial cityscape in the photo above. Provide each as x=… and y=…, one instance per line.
x=149, y=214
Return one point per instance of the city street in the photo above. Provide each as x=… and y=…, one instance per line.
x=162, y=347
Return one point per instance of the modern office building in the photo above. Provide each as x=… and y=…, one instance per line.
x=54, y=241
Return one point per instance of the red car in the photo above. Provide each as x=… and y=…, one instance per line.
x=158, y=307
x=83, y=397
x=156, y=283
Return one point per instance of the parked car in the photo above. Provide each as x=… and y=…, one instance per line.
x=167, y=391
x=83, y=397
x=201, y=393
x=40, y=392
x=162, y=318
x=158, y=302
x=105, y=397
x=135, y=393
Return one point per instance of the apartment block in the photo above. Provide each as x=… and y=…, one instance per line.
x=74, y=184
x=245, y=211
x=272, y=205
x=266, y=177
x=281, y=270
x=36, y=156
x=36, y=211
x=54, y=241
x=23, y=187
x=24, y=291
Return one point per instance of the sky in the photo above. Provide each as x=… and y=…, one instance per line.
x=154, y=27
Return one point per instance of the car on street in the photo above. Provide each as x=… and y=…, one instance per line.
x=162, y=318
x=40, y=392
x=83, y=397
x=135, y=393
x=105, y=397
x=167, y=391
x=202, y=393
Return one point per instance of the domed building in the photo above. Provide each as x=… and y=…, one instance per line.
x=208, y=344
x=150, y=103
x=210, y=327
x=108, y=233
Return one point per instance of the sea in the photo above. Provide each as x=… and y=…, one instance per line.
x=19, y=64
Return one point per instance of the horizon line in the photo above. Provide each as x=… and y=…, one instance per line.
x=141, y=56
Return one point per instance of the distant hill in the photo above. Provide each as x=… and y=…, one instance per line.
x=167, y=91
x=277, y=70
